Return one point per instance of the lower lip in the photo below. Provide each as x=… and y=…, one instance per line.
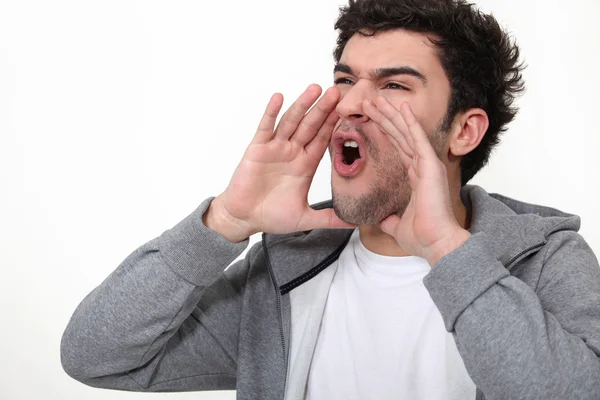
x=347, y=170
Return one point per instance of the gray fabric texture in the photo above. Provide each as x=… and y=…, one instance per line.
x=521, y=297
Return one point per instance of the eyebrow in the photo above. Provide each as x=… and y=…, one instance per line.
x=381, y=73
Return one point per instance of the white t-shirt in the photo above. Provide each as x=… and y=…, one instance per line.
x=382, y=337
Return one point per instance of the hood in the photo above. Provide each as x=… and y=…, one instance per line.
x=513, y=226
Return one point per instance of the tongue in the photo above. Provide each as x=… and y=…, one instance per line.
x=347, y=169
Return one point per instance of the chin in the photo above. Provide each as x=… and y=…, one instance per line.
x=367, y=208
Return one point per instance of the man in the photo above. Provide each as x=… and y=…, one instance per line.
x=409, y=284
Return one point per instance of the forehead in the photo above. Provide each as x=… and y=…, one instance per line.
x=392, y=49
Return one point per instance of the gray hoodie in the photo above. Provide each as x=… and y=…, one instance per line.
x=521, y=298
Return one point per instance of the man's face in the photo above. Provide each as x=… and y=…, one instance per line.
x=401, y=66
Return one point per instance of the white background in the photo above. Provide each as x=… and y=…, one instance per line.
x=117, y=118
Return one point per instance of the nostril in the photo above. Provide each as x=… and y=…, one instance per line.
x=358, y=118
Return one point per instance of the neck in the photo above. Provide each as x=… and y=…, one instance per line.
x=379, y=242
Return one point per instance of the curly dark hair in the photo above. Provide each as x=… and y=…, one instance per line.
x=480, y=60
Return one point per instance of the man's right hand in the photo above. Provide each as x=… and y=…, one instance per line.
x=269, y=188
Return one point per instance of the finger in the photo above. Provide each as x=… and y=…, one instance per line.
x=394, y=115
x=267, y=123
x=389, y=224
x=405, y=159
x=292, y=117
x=404, y=151
x=323, y=219
x=319, y=144
x=422, y=146
x=388, y=126
x=413, y=178
x=312, y=122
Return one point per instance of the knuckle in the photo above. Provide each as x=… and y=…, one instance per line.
x=312, y=125
x=305, y=104
x=288, y=122
x=322, y=107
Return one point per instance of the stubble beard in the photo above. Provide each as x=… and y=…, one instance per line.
x=388, y=194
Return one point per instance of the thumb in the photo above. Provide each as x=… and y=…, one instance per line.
x=324, y=219
x=389, y=224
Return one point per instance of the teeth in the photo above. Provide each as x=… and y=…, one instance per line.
x=351, y=143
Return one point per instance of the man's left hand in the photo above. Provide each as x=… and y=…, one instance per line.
x=428, y=228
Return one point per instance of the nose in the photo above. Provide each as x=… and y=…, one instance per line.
x=350, y=106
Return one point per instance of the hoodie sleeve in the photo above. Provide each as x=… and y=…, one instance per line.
x=167, y=319
x=518, y=343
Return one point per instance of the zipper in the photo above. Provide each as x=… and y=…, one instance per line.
x=280, y=311
x=316, y=270
x=522, y=253
x=288, y=287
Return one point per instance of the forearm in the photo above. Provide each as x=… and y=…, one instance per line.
x=511, y=346
x=127, y=319
x=120, y=323
x=514, y=349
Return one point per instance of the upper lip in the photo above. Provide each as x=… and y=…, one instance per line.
x=340, y=137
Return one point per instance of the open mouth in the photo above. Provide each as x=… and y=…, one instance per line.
x=350, y=152
x=348, y=160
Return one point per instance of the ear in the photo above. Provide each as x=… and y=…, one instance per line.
x=468, y=131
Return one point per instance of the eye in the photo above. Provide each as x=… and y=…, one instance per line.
x=395, y=86
x=343, y=81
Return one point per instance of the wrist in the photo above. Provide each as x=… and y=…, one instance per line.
x=447, y=246
x=217, y=219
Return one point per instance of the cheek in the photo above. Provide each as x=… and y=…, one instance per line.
x=397, y=96
x=378, y=144
x=429, y=104
x=434, y=112
x=429, y=113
